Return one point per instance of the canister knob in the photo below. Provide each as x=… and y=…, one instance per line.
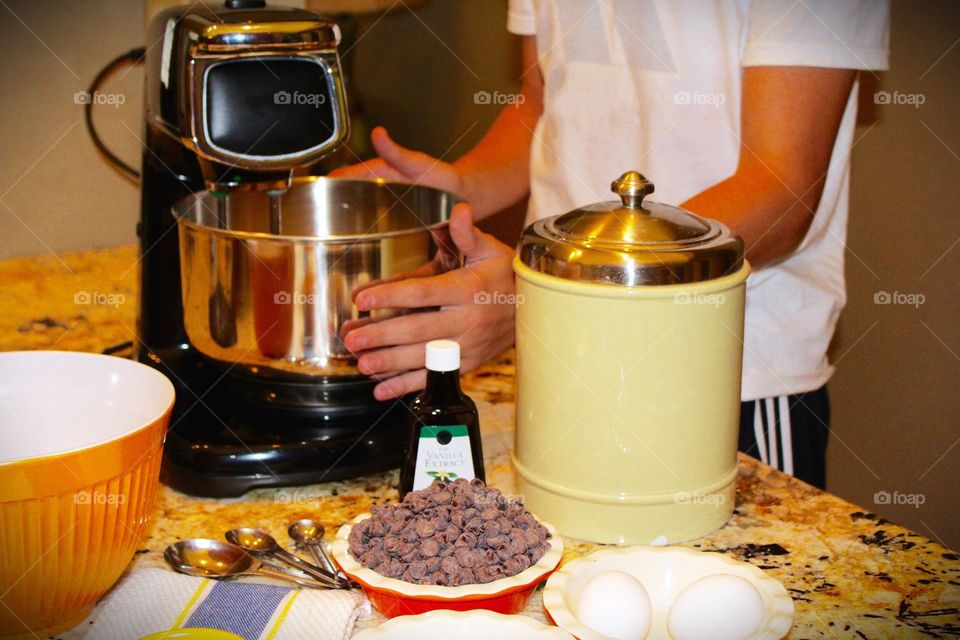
x=632, y=188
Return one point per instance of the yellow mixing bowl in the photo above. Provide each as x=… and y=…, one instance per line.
x=81, y=439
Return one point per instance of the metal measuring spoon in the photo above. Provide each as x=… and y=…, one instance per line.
x=218, y=560
x=259, y=542
x=309, y=534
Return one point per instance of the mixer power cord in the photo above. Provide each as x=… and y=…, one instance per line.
x=130, y=58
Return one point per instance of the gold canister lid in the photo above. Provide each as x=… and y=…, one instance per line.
x=631, y=242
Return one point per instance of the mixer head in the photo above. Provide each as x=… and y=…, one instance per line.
x=254, y=92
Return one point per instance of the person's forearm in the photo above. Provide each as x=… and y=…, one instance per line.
x=789, y=122
x=770, y=216
x=496, y=172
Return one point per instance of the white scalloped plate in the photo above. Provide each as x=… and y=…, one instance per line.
x=664, y=572
x=532, y=574
x=463, y=625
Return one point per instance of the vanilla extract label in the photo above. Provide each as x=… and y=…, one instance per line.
x=443, y=453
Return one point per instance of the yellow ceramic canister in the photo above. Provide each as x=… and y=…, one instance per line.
x=629, y=351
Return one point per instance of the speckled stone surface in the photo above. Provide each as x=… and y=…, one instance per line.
x=851, y=574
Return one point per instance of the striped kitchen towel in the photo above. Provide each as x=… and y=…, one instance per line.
x=152, y=600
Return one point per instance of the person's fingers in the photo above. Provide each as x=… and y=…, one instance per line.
x=401, y=385
x=473, y=243
x=359, y=170
x=369, y=170
x=462, y=231
x=384, y=362
x=430, y=269
x=413, y=164
x=450, y=288
x=353, y=323
x=405, y=329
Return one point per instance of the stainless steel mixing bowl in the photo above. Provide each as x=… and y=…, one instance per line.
x=268, y=278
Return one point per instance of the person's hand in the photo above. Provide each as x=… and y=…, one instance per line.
x=400, y=164
x=475, y=309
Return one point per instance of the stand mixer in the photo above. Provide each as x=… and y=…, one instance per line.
x=241, y=103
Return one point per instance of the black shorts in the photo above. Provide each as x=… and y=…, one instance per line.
x=789, y=433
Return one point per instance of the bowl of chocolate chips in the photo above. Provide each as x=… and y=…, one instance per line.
x=458, y=545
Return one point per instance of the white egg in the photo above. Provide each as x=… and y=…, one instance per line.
x=615, y=604
x=718, y=607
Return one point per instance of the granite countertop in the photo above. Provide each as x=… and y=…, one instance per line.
x=851, y=573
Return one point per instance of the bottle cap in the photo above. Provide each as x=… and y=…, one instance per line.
x=443, y=355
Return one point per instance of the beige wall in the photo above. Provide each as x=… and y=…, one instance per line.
x=895, y=397
x=55, y=192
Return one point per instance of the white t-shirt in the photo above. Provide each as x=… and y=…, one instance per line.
x=654, y=85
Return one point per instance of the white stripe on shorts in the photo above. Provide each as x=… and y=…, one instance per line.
x=772, y=433
x=758, y=432
x=786, y=435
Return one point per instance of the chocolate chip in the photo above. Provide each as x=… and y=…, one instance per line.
x=425, y=528
x=497, y=542
x=462, y=576
x=505, y=553
x=429, y=547
x=467, y=540
x=391, y=544
x=449, y=564
x=418, y=569
x=466, y=557
x=370, y=560
x=409, y=533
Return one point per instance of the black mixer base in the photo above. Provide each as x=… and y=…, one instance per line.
x=222, y=443
x=229, y=464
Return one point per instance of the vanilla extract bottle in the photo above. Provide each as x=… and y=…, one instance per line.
x=444, y=429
